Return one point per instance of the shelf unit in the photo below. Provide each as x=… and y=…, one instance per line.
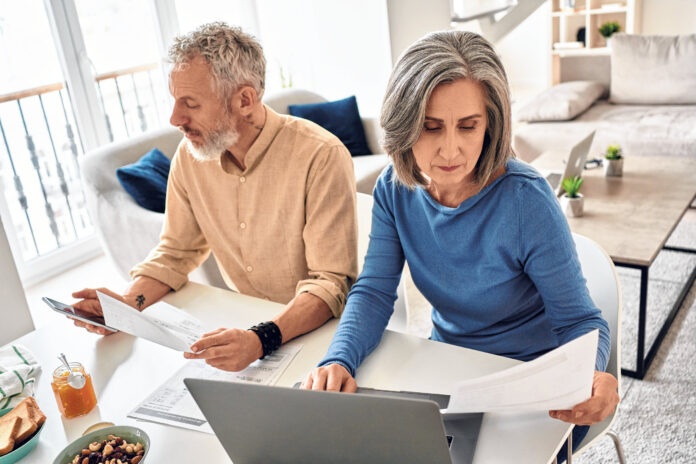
x=590, y=14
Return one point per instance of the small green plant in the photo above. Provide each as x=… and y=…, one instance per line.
x=571, y=185
x=609, y=28
x=613, y=152
x=285, y=83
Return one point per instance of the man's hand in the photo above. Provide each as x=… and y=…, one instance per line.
x=90, y=304
x=332, y=377
x=227, y=349
x=602, y=403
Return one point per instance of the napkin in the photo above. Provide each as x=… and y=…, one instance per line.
x=19, y=371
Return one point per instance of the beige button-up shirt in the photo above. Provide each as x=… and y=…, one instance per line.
x=284, y=225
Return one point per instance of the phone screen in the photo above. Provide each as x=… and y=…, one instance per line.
x=75, y=313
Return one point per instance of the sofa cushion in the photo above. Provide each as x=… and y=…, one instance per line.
x=341, y=118
x=653, y=69
x=561, y=102
x=146, y=180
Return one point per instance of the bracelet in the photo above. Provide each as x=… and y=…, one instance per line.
x=270, y=336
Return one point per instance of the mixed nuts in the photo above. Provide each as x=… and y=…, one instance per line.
x=115, y=450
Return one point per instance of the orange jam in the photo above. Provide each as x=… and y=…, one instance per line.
x=73, y=402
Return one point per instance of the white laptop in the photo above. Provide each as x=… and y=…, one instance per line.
x=258, y=424
x=573, y=165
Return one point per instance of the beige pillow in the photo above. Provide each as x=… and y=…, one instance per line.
x=561, y=102
x=653, y=69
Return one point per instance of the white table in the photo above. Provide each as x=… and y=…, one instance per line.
x=125, y=370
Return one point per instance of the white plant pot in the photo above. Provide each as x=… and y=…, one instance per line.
x=613, y=168
x=608, y=40
x=573, y=207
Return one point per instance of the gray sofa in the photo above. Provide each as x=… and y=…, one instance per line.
x=648, y=105
x=128, y=232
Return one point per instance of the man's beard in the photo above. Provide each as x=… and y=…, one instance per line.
x=214, y=144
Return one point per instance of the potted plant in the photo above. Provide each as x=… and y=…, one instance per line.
x=609, y=28
x=613, y=161
x=572, y=202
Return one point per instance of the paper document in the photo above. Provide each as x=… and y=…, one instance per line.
x=559, y=379
x=172, y=404
x=161, y=323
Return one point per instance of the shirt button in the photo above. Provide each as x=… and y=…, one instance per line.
x=242, y=225
x=249, y=268
x=242, y=179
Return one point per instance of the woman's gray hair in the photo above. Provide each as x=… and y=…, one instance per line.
x=235, y=58
x=436, y=58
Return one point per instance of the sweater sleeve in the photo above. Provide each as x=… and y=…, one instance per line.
x=371, y=300
x=182, y=247
x=549, y=258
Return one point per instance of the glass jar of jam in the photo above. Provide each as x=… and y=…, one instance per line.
x=73, y=402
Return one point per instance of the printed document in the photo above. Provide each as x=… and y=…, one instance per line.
x=161, y=323
x=559, y=379
x=172, y=404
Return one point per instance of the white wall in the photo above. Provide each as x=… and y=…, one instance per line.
x=669, y=17
x=337, y=48
x=409, y=20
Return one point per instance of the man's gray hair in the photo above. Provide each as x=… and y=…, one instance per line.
x=235, y=58
x=436, y=58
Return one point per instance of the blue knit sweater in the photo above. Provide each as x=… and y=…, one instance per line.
x=500, y=270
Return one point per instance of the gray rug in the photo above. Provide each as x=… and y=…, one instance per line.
x=657, y=416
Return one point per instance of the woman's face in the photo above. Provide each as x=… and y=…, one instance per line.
x=452, y=136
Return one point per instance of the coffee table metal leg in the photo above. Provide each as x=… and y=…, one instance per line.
x=643, y=362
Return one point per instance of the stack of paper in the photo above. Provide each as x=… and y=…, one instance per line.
x=172, y=404
x=560, y=379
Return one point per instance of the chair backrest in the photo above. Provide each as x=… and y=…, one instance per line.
x=399, y=319
x=605, y=291
x=16, y=319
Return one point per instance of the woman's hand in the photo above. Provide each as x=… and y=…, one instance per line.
x=332, y=377
x=602, y=403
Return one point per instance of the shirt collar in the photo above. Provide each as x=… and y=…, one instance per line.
x=257, y=149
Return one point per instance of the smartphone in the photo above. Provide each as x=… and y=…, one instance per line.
x=75, y=313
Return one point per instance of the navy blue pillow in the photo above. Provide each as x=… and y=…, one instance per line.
x=146, y=180
x=341, y=118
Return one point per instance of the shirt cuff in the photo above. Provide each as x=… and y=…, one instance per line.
x=335, y=300
x=166, y=275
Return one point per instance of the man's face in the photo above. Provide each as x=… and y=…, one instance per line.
x=199, y=112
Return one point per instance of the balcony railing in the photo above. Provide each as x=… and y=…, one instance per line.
x=131, y=92
x=39, y=172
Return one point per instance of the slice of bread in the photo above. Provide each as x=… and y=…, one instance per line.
x=38, y=416
x=25, y=411
x=8, y=433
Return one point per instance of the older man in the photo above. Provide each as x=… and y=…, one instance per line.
x=272, y=196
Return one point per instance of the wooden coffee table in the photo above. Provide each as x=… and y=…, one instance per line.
x=632, y=217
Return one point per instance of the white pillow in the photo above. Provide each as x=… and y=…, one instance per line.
x=561, y=102
x=653, y=69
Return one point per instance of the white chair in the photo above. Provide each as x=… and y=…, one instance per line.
x=16, y=319
x=399, y=320
x=605, y=291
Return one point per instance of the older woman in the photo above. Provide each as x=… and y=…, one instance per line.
x=485, y=239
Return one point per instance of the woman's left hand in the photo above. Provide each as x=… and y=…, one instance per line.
x=603, y=402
